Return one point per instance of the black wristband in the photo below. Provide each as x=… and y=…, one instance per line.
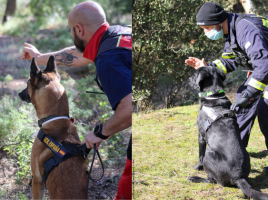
x=98, y=132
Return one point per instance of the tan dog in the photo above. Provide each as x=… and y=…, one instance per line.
x=44, y=91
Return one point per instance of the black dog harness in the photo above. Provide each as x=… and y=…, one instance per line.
x=62, y=151
x=214, y=116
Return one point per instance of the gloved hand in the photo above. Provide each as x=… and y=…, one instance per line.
x=243, y=101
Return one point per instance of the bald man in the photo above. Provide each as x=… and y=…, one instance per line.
x=110, y=48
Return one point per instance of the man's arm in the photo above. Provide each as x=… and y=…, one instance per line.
x=121, y=120
x=69, y=56
x=226, y=63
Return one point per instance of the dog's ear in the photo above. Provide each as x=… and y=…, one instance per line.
x=201, y=76
x=51, y=65
x=34, y=68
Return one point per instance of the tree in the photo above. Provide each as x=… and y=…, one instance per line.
x=248, y=6
x=165, y=34
x=10, y=9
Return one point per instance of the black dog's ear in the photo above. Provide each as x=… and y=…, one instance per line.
x=51, y=65
x=34, y=68
x=202, y=75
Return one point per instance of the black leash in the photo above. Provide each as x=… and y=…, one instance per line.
x=95, y=92
x=95, y=150
x=99, y=85
x=89, y=177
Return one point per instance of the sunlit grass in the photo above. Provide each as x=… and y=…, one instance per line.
x=165, y=149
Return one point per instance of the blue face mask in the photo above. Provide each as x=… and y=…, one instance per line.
x=214, y=34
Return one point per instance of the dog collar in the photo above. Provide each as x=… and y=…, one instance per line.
x=209, y=93
x=51, y=118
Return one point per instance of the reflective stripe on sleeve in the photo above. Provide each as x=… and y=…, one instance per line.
x=220, y=65
x=256, y=84
x=118, y=42
x=228, y=55
x=265, y=95
x=265, y=22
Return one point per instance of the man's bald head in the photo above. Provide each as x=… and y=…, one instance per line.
x=89, y=14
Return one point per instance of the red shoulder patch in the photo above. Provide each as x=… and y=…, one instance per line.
x=125, y=41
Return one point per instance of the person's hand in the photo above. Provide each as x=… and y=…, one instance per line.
x=91, y=139
x=195, y=62
x=243, y=101
x=29, y=51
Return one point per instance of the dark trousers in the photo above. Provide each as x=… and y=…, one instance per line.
x=257, y=107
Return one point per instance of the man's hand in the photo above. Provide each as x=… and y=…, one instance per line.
x=195, y=62
x=243, y=101
x=29, y=51
x=91, y=139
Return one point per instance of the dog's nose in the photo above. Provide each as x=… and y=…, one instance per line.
x=24, y=96
x=20, y=95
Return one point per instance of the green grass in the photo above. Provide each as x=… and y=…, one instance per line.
x=165, y=150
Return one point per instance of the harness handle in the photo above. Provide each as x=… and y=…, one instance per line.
x=89, y=177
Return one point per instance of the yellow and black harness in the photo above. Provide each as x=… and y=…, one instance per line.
x=63, y=151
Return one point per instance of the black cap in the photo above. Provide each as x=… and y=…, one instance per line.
x=211, y=14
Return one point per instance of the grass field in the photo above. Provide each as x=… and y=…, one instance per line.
x=165, y=149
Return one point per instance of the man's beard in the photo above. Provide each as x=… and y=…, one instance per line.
x=79, y=44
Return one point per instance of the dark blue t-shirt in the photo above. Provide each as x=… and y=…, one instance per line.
x=114, y=69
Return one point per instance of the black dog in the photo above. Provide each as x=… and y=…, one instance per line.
x=226, y=161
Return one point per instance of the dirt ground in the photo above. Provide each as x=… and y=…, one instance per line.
x=10, y=63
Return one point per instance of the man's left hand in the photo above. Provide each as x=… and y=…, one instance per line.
x=243, y=101
x=91, y=139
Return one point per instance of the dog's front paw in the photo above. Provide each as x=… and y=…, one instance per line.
x=199, y=166
x=194, y=179
x=191, y=179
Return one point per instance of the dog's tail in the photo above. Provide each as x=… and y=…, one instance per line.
x=249, y=192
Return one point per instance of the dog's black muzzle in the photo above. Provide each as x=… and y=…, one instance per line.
x=24, y=96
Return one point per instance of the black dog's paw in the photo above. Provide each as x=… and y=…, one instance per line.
x=199, y=167
x=196, y=179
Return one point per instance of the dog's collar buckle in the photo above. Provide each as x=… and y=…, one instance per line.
x=207, y=125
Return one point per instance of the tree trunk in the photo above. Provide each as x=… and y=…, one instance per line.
x=248, y=6
x=10, y=9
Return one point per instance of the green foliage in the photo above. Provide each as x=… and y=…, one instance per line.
x=22, y=196
x=45, y=8
x=261, y=7
x=16, y=125
x=55, y=39
x=3, y=194
x=8, y=78
x=34, y=15
x=87, y=100
x=2, y=78
x=165, y=34
x=122, y=6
